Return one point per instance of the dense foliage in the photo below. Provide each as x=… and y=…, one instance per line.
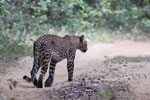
x=20, y=18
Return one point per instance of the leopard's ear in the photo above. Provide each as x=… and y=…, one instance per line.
x=81, y=38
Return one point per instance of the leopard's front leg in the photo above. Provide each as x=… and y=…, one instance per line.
x=70, y=67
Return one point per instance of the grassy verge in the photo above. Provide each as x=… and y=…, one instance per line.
x=129, y=59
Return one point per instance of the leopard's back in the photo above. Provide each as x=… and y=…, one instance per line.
x=53, y=45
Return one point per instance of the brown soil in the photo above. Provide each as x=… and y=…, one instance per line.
x=84, y=63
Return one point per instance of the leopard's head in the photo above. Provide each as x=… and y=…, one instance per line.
x=82, y=44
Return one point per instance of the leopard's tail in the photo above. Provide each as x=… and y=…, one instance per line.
x=27, y=78
x=36, y=64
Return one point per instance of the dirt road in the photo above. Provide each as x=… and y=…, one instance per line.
x=84, y=62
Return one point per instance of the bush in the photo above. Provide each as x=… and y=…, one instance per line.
x=12, y=48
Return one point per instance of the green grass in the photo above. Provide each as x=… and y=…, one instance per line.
x=111, y=92
x=107, y=94
x=129, y=59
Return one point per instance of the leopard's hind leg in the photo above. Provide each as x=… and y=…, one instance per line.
x=44, y=67
x=50, y=79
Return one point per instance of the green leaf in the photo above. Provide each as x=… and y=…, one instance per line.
x=1, y=10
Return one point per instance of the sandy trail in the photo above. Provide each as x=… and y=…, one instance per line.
x=84, y=62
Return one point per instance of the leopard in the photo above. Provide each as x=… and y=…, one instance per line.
x=50, y=49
